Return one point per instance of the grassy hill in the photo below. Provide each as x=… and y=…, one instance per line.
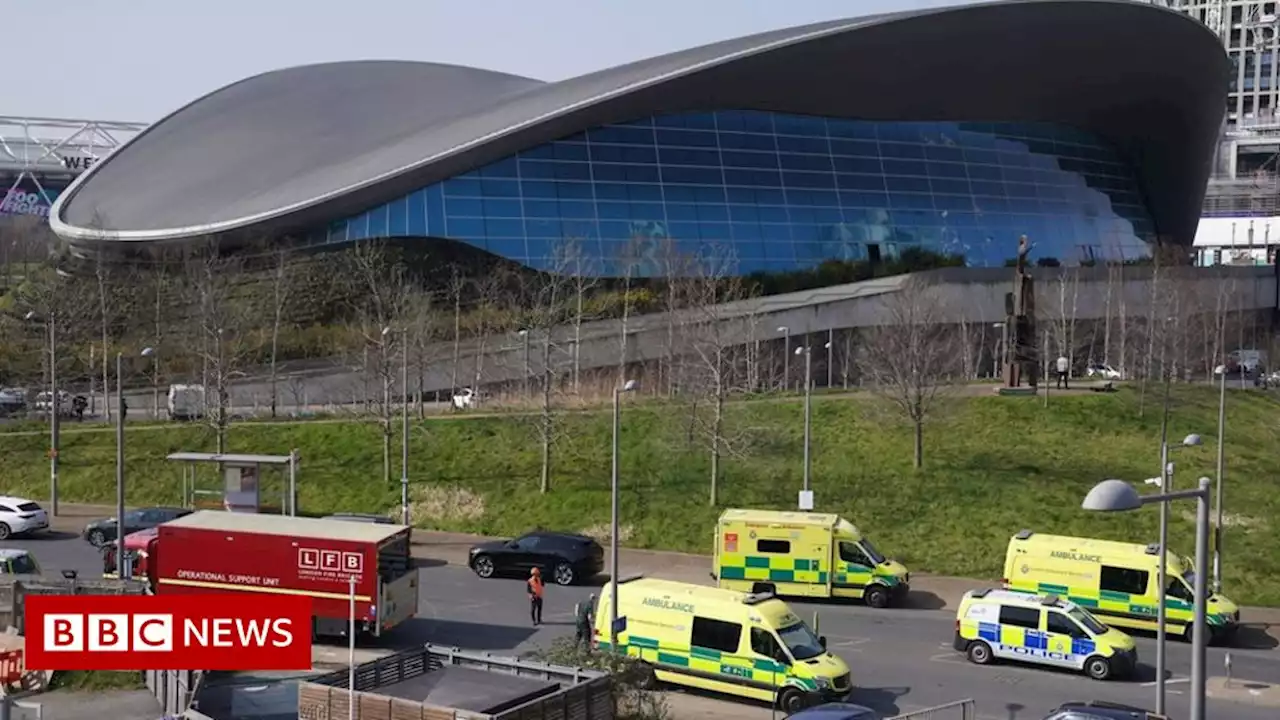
x=993, y=466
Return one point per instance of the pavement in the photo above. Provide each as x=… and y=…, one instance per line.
x=902, y=658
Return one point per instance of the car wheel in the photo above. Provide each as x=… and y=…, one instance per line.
x=1098, y=668
x=97, y=538
x=563, y=574
x=876, y=596
x=979, y=653
x=483, y=565
x=790, y=700
x=5, y=531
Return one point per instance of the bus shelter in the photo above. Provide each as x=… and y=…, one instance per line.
x=241, y=484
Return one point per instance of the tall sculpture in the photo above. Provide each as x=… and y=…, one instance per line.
x=1020, y=350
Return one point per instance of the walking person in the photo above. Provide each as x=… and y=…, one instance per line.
x=586, y=617
x=1064, y=368
x=534, y=586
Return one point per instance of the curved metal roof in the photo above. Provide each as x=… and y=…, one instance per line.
x=288, y=149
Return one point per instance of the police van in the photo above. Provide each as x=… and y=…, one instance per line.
x=1041, y=629
x=804, y=554
x=1117, y=581
x=749, y=645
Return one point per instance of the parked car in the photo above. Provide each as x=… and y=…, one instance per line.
x=101, y=532
x=44, y=403
x=20, y=516
x=1097, y=710
x=18, y=562
x=564, y=558
x=1102, y=371
x=465, y=399
x=836, y=711
x=12, y=400
x=361, y=517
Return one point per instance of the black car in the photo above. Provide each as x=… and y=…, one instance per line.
x=1097, y=710
x=100, y=532
x=563, y=558
x=836, y=711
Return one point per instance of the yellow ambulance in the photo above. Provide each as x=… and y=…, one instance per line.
x=803, y=554
x=1118, y=582
x=737, y=643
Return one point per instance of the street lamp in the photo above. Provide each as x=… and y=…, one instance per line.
x=404, y=422
x=54, y=406
x=1120, y=496
x=786, y=357
x=1221, y=471
x=121, y=560
x=524, y=337
x=1165, y=483
x=628, y=386
x=808, y=421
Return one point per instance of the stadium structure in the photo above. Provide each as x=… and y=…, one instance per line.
x=1241, y=217
x=956, y=129
x=39, y=157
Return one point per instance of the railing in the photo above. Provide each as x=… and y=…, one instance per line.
x=23, y=710
x=958, y=710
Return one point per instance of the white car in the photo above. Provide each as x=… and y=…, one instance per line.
x=44, y=403
x=466, y=399
x=1102, y=371
x=19, y=516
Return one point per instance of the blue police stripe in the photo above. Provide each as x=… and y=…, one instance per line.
x=989, y=631
x=1082, y=647
x=1035, y=640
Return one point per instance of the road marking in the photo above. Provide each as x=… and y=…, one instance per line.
x=1170, y=681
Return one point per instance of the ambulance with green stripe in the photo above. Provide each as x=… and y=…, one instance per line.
x=1117, y=582
x=750, y=645
x=803, y=554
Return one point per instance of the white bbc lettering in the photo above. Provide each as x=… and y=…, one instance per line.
x=63, y=632
x=108, y=632
x=236, y=632
x=308, y=558
x=152, y=632
x=352, y=562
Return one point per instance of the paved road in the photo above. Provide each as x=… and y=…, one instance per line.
x=902, y=659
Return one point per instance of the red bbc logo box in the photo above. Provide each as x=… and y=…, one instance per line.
x=174, y=632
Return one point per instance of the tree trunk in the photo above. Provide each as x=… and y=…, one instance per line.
x=717, y=426
x=547, y=419
x=102, y=313
x=917, y=459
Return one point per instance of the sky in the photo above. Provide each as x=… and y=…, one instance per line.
x=141, y=59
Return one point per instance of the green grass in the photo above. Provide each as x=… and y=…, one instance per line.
x=96, y=680
x=993, y=466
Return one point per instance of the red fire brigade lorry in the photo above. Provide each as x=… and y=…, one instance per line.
x=216, y=551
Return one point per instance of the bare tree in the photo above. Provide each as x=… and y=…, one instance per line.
x=552, y=293
x=909, y=357
x=489, y=317
x=382, y=293
x=628, y=266
x=223, y=321
x=583, y=273
x=1062, y=310
x=457, y=292
x=714, y=338
x=280, y=291
x=676, y=266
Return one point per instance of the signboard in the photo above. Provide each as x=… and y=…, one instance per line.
x=242, y=489
x=26, y=198
x=806, y=499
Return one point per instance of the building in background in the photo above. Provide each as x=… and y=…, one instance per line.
x=777, y=151
x=39, y=157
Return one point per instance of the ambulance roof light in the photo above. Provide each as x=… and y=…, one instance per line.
x=1153, y=548
x=1049, y=601
x=980, y=593
x=630, y=578
x=757, y=598
x=1024, y=534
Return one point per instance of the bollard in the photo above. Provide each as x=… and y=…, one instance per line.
x=1226, y=661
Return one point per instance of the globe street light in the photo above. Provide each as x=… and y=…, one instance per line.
x=628, y=386
x=1120, y=496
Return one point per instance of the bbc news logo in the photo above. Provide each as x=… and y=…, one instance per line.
x=225, y=631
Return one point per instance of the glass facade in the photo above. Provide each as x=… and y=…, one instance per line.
x=784, y=192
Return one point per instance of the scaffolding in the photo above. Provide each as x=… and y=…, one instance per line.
x=40, y=156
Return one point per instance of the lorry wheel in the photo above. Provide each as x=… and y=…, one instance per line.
x=1098, y=668
x=876, y=596
x=790, y=700
x=97, y=538
x=979, y=653
x=563, y=574
x=5, y=531
x=483, y=565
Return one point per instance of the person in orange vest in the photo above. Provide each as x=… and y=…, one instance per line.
x=534, y=586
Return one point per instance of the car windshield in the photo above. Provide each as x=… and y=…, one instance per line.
x=1189, y=577
x=24, y=565
x=872, y=552
x=1088, y=621
x=801, y=641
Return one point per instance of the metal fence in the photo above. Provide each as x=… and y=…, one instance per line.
x=958, y=710
x=23, y=710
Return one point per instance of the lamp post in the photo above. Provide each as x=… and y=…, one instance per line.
x=524, y=337
x=808, y=412
x=628, y=386
x=1165, y=483
x=1120, y=496
x=55, y=409
x=1221, y=471
x=121, y=530
x=404, y=427
x=155, y=383
x=786, y=357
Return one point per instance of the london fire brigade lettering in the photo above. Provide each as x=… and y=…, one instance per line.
x=320, y=564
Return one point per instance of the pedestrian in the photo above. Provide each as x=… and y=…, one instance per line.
x=124, y=408
x=534, y=586
x=586, y=615
x=1064, y=368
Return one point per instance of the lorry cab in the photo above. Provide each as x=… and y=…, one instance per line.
x=1116, y=581
x=748, y=645
x=137, y=547
x=803, y=554
x=18, y=562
